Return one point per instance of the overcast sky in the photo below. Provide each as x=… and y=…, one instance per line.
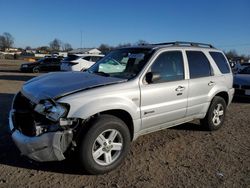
x=224, y=23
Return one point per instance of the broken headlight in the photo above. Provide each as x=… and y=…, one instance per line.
x=52, y=110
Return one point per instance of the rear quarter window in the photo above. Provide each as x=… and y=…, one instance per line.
x=221, y=62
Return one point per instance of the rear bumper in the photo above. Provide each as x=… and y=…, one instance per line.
x=46, y=147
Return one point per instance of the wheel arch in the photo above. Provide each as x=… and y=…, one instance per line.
x=224, y=95
x=124, y=116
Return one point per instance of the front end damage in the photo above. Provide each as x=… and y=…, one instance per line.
x=41, y=131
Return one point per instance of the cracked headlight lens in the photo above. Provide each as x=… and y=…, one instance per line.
x=51, y=110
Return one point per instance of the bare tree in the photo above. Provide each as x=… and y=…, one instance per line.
x=6, y=40
x=66, y=47
x=141, y=42
x=124, y=45
x=43, y=49
x=105, y=48
x=2, y=41
x=232, y=54
x=27, y=48
x=55, y=45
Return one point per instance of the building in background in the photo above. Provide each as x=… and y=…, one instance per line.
x=85, y=51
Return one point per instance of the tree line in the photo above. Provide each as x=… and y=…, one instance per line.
x=105, y=48
x=7, y=41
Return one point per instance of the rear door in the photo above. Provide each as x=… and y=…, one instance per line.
x=201, y=82
x=164, y=100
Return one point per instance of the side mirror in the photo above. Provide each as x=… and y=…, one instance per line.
x=152, y=77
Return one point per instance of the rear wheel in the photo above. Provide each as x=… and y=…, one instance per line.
x=216, y=114
x=36, y=70
x=105, y=145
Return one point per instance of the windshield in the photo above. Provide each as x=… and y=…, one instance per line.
x=246, y=70
x=122, y=63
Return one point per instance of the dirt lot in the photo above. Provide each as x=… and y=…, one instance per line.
x=185, y=156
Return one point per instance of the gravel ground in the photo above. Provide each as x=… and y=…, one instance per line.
x=184, y=156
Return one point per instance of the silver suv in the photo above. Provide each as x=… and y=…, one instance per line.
x=98, y=112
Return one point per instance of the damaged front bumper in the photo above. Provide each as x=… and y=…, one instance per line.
x=49, y=146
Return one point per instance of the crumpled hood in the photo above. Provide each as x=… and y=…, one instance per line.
x=55, y=85
x=242, y=79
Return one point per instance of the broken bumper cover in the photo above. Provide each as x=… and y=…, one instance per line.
x=46, y=147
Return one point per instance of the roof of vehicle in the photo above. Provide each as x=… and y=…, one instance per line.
x=84, y=55
x=176, y=44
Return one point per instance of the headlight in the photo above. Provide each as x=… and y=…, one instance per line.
x=52, y=110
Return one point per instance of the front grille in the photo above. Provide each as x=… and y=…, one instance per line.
x=25, y=118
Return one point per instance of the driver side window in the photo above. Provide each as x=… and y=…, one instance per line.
x=167, y=67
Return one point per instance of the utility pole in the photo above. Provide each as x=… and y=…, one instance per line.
x=81, y=38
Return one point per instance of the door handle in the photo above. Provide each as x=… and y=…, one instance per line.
x=211, y=83
x=180, y=88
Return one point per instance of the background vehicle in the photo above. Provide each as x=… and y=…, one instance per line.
x=99, y=113
x=245, y=64
x=42, y=65
x=79, y=62
x=236, y=67
x=242, y=82
x=112, y=66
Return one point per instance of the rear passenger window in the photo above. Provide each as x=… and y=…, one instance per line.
x=220, y=61
x=199, y=65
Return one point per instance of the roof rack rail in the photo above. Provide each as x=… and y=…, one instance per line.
x=181, y=43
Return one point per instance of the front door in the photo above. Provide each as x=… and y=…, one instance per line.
x=164, y=99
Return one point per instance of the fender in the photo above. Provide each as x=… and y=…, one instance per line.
x=111, y=103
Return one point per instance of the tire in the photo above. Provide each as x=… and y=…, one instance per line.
x=36, y=70
x=105, y=145
x=215, y=116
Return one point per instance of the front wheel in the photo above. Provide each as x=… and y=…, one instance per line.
x=105, y=145
x=216, y=114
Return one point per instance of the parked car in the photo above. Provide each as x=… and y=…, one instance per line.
x=245, y=64
x=79, y=62
x=236, y=67
x=97, y=113
x=242, y=82
x=112, y=66
x=42, y=65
